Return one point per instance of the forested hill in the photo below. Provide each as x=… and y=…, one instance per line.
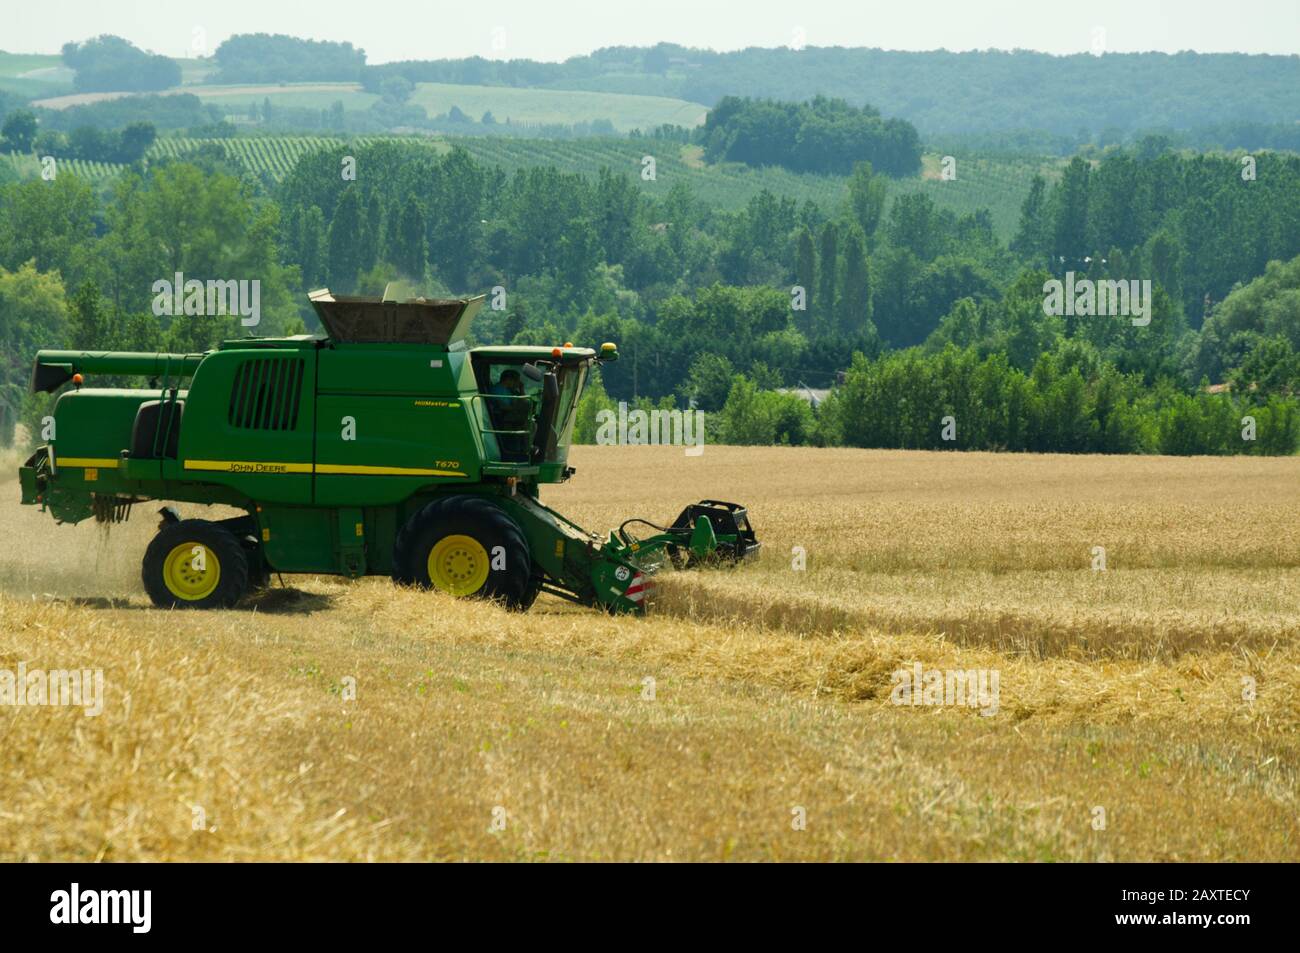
x=937, y=91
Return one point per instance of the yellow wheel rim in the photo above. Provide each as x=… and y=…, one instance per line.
x=191, y=571
x=458, y=565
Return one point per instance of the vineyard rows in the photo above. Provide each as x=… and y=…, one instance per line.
x=998, y=185
x=27, y=166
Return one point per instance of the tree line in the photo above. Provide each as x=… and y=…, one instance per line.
x=111, y=64
x=728, y=310
x=940, y=92
x=823, y=135
x=276, y=58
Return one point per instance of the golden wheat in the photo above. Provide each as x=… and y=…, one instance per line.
x=1163, y=690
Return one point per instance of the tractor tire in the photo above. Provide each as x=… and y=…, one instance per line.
x=259, y=573
x=172, y=579
x=456, y=544
x=530, y=594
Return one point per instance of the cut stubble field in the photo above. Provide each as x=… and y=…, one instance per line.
x=1145, y=712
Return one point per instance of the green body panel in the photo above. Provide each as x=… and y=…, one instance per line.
x=95, y=424
x=330, y=445
x=298, y=538
x=264, y=454
x=410, y=370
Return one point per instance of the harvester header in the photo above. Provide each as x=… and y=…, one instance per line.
x=386, y=447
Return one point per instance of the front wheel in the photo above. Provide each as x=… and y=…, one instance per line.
x=466, y=546
x=195, y=564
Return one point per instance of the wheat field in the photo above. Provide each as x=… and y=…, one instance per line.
x=1147, y=711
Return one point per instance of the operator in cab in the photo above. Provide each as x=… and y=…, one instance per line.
x=510, y=410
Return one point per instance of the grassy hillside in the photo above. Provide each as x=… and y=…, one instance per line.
x=296, y=95
x=34, y=74
x=15, y=64
x=772, y=686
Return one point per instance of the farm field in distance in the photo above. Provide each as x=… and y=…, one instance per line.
x=564, y=106
x=1164, y=691
x=537, y=106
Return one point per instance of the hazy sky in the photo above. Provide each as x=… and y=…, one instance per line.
x=554, y=29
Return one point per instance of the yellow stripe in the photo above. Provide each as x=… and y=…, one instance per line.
x=357, y=470
x=248, y=466
x=264, y=466
x=106, y=463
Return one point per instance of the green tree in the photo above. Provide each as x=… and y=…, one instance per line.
x=593, y=401
x=824, y=304
x=897, y=272
x=410, y=253
x=516, y=321
x=805, y=277
x=1024, y=332
x=135, y=141
x=855, y=294
x=1070, y=234
x=454, y=221
x=916, y=225
x=1030, y=240
x=344, y=256
x=371, y=232
x=19, y=130
x=709, y=381
x=33, y=315
x=51, y=224
x=1270, y=368
x=311, y=247
x=89, y=324
x=867, y=193
x=616, y=212
x=752, y=416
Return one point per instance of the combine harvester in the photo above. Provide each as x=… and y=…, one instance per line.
x=389, y=447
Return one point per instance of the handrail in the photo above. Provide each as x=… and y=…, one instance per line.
x=484, y=415
x=525, y=431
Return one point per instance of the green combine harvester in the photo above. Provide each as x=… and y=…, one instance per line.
x=388, y=447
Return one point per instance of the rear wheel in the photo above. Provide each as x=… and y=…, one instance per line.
x=195, y=564
x=466, y=546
